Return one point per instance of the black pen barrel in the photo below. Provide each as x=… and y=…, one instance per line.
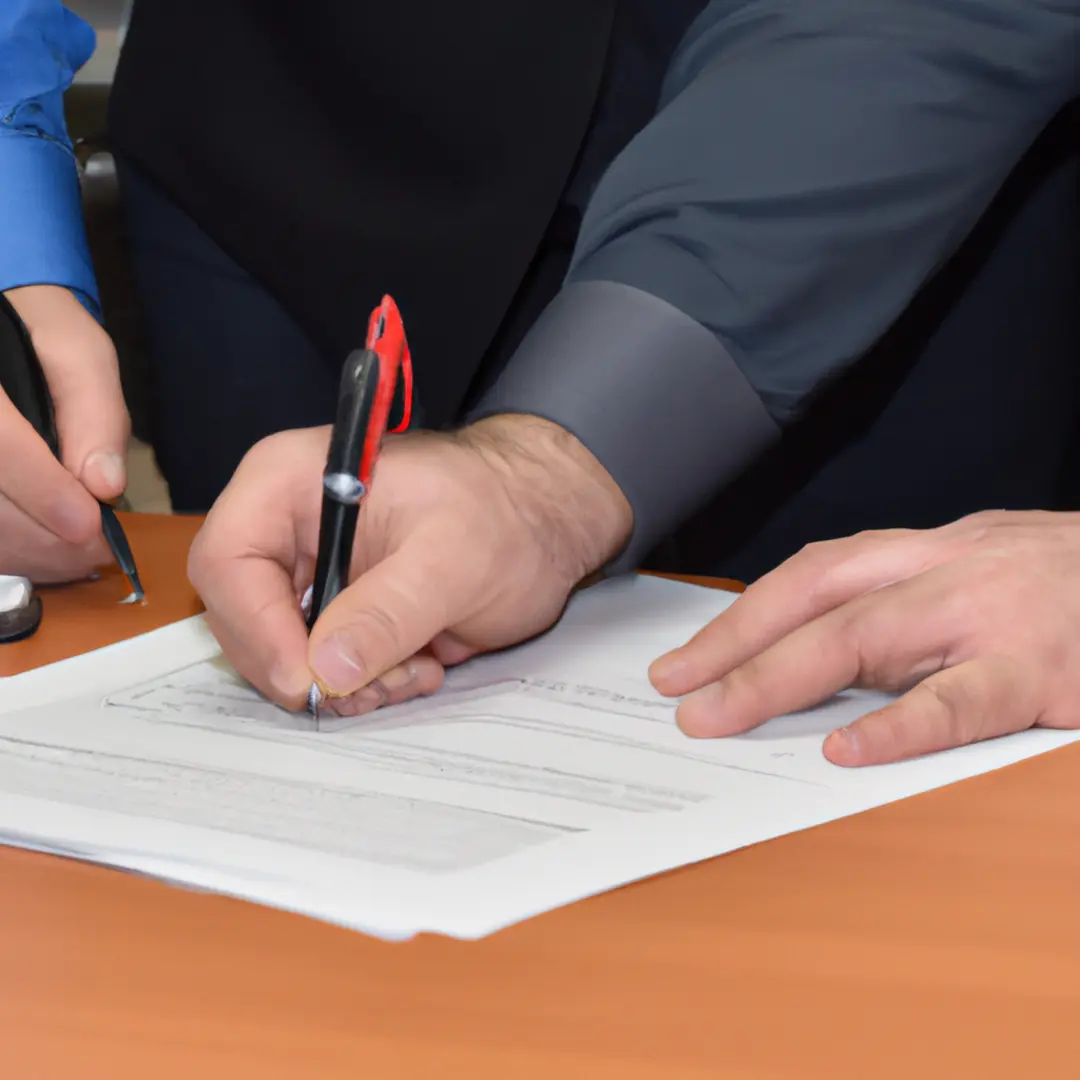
x=337, y=530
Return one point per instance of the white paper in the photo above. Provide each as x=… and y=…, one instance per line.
x=536, y=778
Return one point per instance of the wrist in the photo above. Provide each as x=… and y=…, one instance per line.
x=565, y=497
x=39, y=304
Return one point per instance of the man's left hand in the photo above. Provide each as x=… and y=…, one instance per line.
x=976, y=623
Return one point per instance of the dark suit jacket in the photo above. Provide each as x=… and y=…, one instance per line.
x=810, y=196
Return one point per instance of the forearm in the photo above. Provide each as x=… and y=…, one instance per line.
x=811, y=168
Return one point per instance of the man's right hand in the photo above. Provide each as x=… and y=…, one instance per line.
x=50, y=524
x=467, y=543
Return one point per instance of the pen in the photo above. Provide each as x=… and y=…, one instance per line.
x=23, y=380
x=370, y=390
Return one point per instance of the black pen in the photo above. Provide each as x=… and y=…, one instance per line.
x=23, y=380
x=369, y=388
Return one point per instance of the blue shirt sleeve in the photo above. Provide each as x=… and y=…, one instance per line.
x=42, y=46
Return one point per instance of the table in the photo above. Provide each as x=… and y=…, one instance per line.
x=936, y=937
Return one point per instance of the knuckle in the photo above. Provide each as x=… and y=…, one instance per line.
x=284, y=445
x=201, y=558
x=277, y=459
x=195, y=561
x=743, y=690
x=816, y=563
x=814, y=552
x=267, y=449
x=959, y=723
x=859, y=637
x=987, y=603
x=814, y=548
x=982, y=525
x=873, y=537
x=429, y=679
x=830, y=560
x=848, y=627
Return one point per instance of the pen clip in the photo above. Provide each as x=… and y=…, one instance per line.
x=386, y=336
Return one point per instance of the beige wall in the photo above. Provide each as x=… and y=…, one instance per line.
x=105, y=16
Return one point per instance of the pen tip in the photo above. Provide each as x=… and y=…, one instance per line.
x=136, y=596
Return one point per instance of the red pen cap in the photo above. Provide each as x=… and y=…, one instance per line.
x=386, y=338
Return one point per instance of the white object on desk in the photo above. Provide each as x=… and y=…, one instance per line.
x=15, y=592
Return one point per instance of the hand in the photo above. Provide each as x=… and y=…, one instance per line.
x=50, y=525
x=466, y=543
x=977, y=621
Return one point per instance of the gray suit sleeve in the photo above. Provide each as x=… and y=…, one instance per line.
x=810, y=167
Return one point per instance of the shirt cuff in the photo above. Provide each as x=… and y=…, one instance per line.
x=44, y=239
x=651, y=393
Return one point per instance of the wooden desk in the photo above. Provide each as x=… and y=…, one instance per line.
x=932, y=938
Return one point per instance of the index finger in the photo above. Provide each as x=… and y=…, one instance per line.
x=253, y=611
x=247, y=566
x=33, y=479
x=886, y=640
x=817, y=580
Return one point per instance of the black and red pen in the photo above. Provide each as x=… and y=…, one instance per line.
x=374, y=381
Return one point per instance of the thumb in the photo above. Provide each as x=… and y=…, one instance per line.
x=382, y=619
x=92, y=419
x=80, y=364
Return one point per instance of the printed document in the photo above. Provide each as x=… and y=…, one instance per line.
x=533, y=779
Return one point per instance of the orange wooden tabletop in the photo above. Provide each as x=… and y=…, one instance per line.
x=936, y=937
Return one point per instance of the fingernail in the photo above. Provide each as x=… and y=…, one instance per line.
x=106, y=468
x=367, y=699
x=667, y=667
x=697, y=715
x=398, y=678
x=290, y=681
x=849, y=736
x=336, y=667
x=375, y=694
x=845, y=744
x=370, y=697
x=710, y=696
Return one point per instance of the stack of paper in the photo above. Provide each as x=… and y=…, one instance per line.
x=536, y=778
